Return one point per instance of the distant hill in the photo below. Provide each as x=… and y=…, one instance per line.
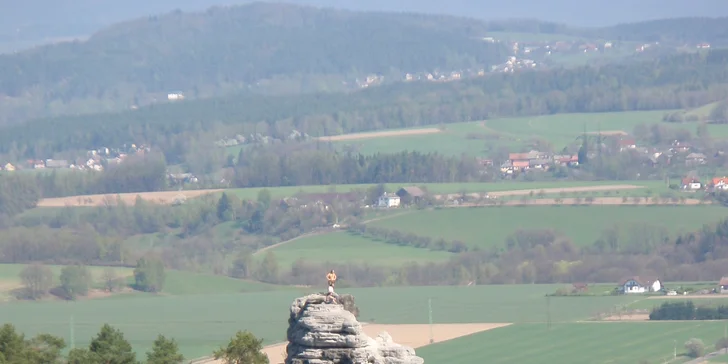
x=682, y=81
x=690, y=30
x=223, y=49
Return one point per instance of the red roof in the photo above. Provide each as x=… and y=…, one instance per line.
x=520, y=163
x=517, y=156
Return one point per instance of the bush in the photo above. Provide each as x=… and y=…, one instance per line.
x=695, y=348
x=721, y=344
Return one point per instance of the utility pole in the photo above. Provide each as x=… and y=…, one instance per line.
x=73, y=338
x=429, y=307
x=674, y=349
x=548, y=312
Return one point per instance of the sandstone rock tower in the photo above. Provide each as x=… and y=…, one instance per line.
x=322, y=333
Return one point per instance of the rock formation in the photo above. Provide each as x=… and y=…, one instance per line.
x=327, y=333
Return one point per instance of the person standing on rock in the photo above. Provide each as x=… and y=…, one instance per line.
x=331, y=277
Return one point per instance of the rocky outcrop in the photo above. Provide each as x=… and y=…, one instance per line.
x=327, y=333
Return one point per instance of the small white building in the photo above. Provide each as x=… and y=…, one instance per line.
x=175, y=96
x=639, y=285
x=388, y=200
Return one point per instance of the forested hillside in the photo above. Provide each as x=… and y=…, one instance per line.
x=223, y=49
x=674, y=82
x=677, y=30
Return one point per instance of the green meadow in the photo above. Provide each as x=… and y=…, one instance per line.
x=344, y=247
x=489, y=226
x=711, y=301
x=483, y=138
x=202, y=323
x=577, y=343
x=437, y=188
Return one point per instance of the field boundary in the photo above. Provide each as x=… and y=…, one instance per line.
x=379, y=134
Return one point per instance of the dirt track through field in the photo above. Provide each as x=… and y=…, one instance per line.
x=690, y=297
x=414, y=336
x=379, y=134
x=162, y=197
x=572, y=201
x=549, y=191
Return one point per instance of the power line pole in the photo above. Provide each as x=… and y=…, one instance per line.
x=73, y=338
x=548, y=312
x=674, y=349
x=429, y=307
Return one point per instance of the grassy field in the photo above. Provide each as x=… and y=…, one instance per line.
x=10, y=277
x=577, y=343
x=344, y=247
x=489, y=226
x=484, y=138
x=201, y=323
x=562, y=129
x=441, y=188
x=712, y=301
x=176, y=282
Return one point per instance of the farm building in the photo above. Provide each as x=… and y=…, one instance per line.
x=691, y=183
x=639, y=285
x=723, y=285
x=388, y=200
x=410, y=194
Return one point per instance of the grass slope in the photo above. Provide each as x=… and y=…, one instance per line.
x=483, y=138
x=577, y=343
x=436, y=188
x=489, y=226
x=202, y=323
x=344, y=247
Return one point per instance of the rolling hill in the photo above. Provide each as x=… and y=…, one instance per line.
x=227, y=49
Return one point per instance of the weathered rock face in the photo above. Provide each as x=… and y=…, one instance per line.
x=321, y=333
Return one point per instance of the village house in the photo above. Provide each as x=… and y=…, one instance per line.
x=566, y=160
x=410, y=194
x=680, y=147
x=388, y=200
x=691, y=183
x=639, y=285
x=720, y=183
x=524, y=161
x=53, y=163
x=9, y=167
x=695, y=159
x=723, y=289
x=626, y=144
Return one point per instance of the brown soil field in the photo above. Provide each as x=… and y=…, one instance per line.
x=572, y=201
x=608, y=132
x=379, y=134
x=163, y=197
x=546, y=191
x=410, y=335
x=628, y=317
x=566, y=190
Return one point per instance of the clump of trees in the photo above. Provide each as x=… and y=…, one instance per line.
x=688, y=311
x=244, y=347
x=109, y=346
x=149, y=275
x=395, y=237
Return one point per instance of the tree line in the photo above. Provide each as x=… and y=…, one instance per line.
x=395, y=237
x=110, y=346
x=681, y=81
x=688, y=311
x=301, y=165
